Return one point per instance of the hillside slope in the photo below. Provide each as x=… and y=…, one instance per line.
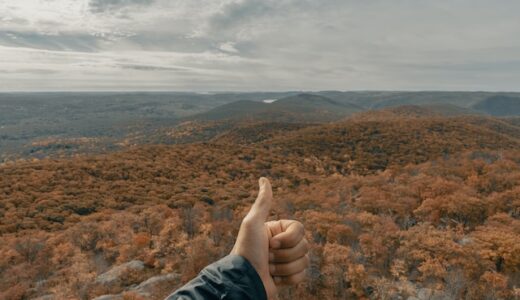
x=415, y=111
x=499, y=106
x=370, y=145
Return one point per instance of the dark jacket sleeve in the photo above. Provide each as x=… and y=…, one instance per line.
x=232, y=277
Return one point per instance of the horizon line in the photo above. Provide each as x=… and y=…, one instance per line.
x=255, y=91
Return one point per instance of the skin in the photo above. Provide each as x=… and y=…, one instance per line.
x=277, y=250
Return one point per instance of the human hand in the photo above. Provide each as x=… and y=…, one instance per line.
x=276, y=249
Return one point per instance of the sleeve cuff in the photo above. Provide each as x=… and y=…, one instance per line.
x=240, y=271
x=253, y=274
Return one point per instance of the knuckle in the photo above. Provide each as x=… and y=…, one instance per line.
x=294, y=279
x=307, y=260
x=291, y=268
x=301, y=225
x=301, y=228
x=248, y=221
x=300, y=251
x=306, y=245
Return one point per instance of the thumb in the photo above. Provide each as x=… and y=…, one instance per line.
x=260, y=209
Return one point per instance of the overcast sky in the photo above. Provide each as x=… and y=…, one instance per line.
x=252, y=45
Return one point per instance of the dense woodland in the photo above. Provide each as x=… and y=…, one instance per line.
x=413, y=206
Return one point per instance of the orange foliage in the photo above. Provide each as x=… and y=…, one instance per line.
x=390, y=211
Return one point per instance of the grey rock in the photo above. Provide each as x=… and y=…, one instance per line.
x=109, y=297
x=429, y=294
x=113, y=275
x=45, y=297
x=146, y=287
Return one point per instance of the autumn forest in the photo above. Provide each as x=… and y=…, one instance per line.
x=398, y=203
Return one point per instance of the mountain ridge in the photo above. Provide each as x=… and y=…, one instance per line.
x=499, y=106
x=304, y=108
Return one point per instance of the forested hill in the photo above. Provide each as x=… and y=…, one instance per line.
x=404, y=204
x=302, y=108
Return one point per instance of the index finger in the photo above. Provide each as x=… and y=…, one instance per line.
x=292, y=232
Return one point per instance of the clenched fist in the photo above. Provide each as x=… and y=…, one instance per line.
x=277, y=250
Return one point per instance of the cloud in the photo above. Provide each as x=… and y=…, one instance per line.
x=254, y=45
x=100, y=6
x=60, y=42
x=237, y=13
x=152, y=68
x=228, y=47
x=29, y=71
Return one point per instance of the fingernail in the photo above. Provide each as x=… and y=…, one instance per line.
x=276, y=244
x=271, y=256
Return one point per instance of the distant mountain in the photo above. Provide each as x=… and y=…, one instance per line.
x=66, y=123
x=383, y=99
x=238, y=109
x=416, y=111
x=311, y=102
x=499, y=106
x=302, y=108
x=462, y=99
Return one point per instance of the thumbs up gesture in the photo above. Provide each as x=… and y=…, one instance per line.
x=276, y=249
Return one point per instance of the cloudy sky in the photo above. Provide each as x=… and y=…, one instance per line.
x=252, y=45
